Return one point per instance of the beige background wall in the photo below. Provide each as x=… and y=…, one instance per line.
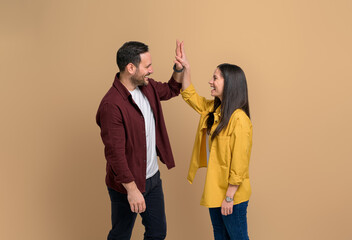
x=57, y=60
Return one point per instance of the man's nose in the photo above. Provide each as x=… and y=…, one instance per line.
x=151, y=70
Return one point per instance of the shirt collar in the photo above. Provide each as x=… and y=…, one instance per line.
x=217, y=114
x=120, y=87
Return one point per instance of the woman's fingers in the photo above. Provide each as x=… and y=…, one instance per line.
x=226, y=209
x=178, y=48
x=182, y=48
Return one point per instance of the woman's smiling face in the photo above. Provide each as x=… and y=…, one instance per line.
x=217, y=84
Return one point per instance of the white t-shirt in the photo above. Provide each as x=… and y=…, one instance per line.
x=143, y=104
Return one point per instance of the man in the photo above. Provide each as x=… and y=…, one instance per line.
x=134, y=134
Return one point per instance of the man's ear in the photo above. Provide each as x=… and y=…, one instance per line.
x=131, y=68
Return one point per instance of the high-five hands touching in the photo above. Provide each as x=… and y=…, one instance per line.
x=181, y=59
x=182, y=62
x=178, y=54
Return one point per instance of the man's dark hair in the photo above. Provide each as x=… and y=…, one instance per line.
x=130, y=53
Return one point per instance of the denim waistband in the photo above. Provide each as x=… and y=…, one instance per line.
x=152, y=181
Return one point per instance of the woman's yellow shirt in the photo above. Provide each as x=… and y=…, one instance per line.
x=229, y=152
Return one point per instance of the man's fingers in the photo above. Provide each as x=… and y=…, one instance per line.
x=143, y=207
x=178, y=65
x=180, y=60
x=138, y=207
x=132, y=207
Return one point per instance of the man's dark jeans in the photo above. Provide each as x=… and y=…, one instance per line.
x=153, y=218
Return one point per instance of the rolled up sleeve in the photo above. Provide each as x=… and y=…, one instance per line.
x=242, y=138
x=198, y=103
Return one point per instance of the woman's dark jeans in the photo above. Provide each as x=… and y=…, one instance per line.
x=230, y=227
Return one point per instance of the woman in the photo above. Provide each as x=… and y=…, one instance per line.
x=223, y=145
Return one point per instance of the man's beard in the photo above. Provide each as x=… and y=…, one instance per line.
x=138, y=80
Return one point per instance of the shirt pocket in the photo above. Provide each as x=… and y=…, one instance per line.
x=221, y=151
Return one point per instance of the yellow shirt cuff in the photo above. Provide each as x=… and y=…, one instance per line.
x=188, y=92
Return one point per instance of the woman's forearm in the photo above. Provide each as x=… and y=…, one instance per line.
x=231, y=190
x=186, y=78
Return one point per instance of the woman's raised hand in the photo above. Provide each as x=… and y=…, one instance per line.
x=178, y=54
x=181, y=59
x=182, y=62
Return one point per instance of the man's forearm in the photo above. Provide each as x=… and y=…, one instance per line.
x=178, y=76
x=131, y=186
